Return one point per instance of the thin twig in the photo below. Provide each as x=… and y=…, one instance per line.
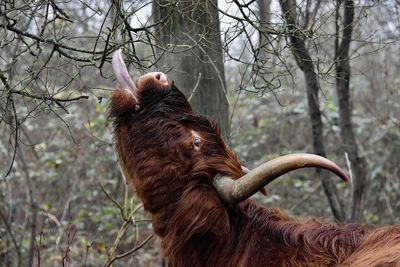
x=113, y=200
x=195, y=87
x=129, y=252
x=14, y=241
x=211, y=62
x=55, y=99
x=117, y=241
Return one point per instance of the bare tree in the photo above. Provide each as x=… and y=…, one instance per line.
x=305, y=63
x=342, y=64
x=264, y=10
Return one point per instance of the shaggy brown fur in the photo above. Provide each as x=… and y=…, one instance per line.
x=173, y=177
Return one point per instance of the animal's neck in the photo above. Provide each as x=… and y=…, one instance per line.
x=185, y=216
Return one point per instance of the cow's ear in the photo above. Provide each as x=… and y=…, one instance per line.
x=122, y=103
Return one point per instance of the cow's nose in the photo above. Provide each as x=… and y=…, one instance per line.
x=161, y=77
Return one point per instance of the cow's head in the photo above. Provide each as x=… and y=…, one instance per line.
x=160, y=142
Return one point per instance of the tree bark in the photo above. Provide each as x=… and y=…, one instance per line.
x=191, y=33
x=305, y=63
x=342, y=62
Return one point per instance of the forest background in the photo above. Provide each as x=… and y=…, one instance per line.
x=279, y=76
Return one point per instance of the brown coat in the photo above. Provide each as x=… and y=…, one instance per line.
x=172, y=174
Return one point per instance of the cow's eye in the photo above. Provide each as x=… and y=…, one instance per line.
x=196, y=142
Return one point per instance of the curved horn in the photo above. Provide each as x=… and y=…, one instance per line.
x=262, y=189
x=122, y=74
x=235, y=191
x=245, y=170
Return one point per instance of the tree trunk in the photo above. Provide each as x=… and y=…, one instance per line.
x=189, y=43
x=305, y=63
x=358, y=163
x=264, y=7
